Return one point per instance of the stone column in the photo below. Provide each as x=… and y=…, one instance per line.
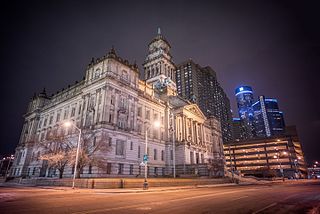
x=202, y=134
x=192, y=131
x=183, y=127
x=135, y=112
x=85, y=110
x=116, y=105
x=103, y=103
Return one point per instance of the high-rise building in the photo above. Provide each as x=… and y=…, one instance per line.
x=238, y=130
x=200, y=85
x=268, y=120
x=244, y=96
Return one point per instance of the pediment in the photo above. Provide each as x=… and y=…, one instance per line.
x=194, y=109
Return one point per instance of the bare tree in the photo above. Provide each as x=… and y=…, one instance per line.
x=93, y=150
x=56, y=151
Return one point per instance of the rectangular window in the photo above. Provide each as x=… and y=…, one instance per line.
x=131, y=169
x=112, y=100
x=148, y=114
x=120, y=170
x=171, y=154
x=108, y=168
x=51, y=119
x=155, y=117
x=162, y=155
x=110, y=141
x=73, y=111
x=45, y=122
x=131, y=145
x=58, y=117
x=139, y=111
x=79, y=109
x=40, y=123
x=90, y=169
x=156, y=171
x=65, y=114
x=110, y=117
x=139, y=150
x=191, y=158
x=155, y=157
x=119, y=147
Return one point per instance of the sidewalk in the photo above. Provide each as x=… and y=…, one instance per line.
x=119, y=190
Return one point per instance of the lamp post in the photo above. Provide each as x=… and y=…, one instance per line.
x=173, y=130
x=231, y=166
x=145, y=157
x=296, y=167
x=68, y=124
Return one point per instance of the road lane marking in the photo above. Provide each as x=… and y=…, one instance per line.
x=264, y=208
x=157, y=203
x=273, y=204
x=239, y=198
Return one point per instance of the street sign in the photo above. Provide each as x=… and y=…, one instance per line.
x=145, y=158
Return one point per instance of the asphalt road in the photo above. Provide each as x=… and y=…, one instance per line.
x=290, y=197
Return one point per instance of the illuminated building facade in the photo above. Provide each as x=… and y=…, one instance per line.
x=114, y=102
x=268, y=119
x=244, y=96
x=200, y=85
x=263, y=157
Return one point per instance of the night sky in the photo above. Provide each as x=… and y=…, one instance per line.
x=273, y=47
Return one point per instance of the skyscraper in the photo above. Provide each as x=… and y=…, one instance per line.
x=268, y=120
x=238, y=130
x=200, y=85
x=244, y=96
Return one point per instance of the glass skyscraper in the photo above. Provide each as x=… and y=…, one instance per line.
x=244, y=96
x=268, y=120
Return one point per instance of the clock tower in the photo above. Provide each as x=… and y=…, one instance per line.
x=158, y=66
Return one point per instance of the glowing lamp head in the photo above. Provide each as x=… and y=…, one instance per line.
x=156, y=124
x=274, y=156
x=67, y=124
x=284, y=153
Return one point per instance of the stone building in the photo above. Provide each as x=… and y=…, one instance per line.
x=113, y=100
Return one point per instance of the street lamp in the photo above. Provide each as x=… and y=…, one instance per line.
x=68, y=124
x=156, y=124
x=173, y=130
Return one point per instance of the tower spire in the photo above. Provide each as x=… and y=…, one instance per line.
x=159, y=31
